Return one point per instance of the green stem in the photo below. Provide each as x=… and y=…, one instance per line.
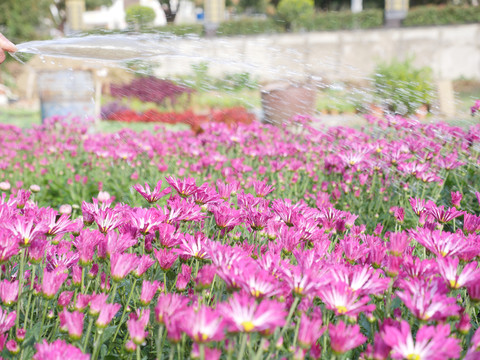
x=20, y=286
x=124, y=309
x=388, y=299
x=289, y=317
x=138, y=353
x=243, y=345
x=202, y=351
x=43, y=317
x=159, y=342
x=30, y=296
x=87, y=334
x=82, y=286
x=96, y=348
x=114, y=291
x=259, y=353
x=52, y=335
x=165, y=282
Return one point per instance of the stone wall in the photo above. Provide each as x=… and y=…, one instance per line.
x=451, y=51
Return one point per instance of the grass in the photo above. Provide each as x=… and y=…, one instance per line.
x=22, y=118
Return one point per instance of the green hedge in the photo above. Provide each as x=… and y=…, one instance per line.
x=346, y=20
x=445, y=15
x=250, y=27
x=330, y=21
x=182, y=30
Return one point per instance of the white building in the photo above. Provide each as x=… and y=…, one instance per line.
x=113, y=17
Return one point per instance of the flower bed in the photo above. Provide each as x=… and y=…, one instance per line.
x=258, y=242
x=230, y=117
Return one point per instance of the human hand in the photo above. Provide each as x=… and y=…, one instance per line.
x=5, y=45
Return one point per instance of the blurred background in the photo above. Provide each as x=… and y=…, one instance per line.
x=242, y=60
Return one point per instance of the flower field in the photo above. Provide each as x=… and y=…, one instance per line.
x=242, y=241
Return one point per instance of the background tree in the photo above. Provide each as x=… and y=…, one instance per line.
x=170, y=8
x=140, y=16
x=31, y=19
x=19, y=24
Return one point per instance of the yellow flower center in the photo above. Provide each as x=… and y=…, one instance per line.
x=298, y=290
x=413, y=357
x=341, y=309
x=256, y=293
x=200, y=337
x=248, y=326
x=454, y=284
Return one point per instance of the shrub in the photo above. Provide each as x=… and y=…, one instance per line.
x=296, y=12
x=403, y=87
x=250, y=27
x=436, y=15
x=140, y=16
x=150, y=89
x=346, y=20
x=182, y=30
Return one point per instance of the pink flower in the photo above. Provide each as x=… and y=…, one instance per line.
x=310, y=330
x=52, y=281
x=115, y=243
x=107, y=312
x=184, y=277
x=7, y=320
x=456, y=198
x=441, y=215
x=203, y=325
x=122, y=264
x=64, y=299
x=205, y=276
x=96, y=303
x=107, y=220
x=167, y=236
x=210, y=354
x=9, y=245
x=169, y=304
x=441, y=243
x=226, y=218
x=243, y=313
x=343, y=300
x=166, y=258
x=448, y=268
x=56, y=226
x=72, y=322
x=185, y=187
x=262, y=189
x=344, y=338
x=148, y=291
x=194, y=246
x=9, y=292
x=144, y=263
x=418, y=205
x=258, y=283
x=301, y=280
x=136, y=326
x=24, y=230
x=431, y=342
x=86, y=243
x=398, y=243
x=146, y=220
x=427, y=299
x=58, y=350
x=152, y=196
